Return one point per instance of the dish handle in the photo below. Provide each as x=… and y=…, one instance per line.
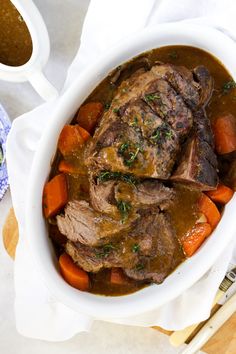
x=42, y=86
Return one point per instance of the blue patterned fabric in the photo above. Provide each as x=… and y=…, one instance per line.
x=5, y=126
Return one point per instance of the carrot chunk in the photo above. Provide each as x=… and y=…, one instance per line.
x=70, y=139
x=72, y=274
x=55, y=195
x=84, y=133
x=89, y=115
x=209, y=209
x=118, y=277
x=221, y=195
x=66, y=167
x=195, y=237
x=224, y=129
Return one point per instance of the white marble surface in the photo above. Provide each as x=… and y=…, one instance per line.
x=64, y=22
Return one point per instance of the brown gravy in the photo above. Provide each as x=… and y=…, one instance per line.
x=15, y=40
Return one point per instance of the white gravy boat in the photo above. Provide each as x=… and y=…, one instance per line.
x=32, y=70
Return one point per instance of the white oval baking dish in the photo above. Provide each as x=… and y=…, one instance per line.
x=191, y=270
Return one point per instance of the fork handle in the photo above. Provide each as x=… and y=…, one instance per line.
x=212, y=326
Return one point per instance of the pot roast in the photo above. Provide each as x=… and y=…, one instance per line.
x=155, y=134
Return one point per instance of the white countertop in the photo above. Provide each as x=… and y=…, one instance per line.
x=64, y=20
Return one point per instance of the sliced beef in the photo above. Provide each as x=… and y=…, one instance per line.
x=158, y=140
x=198, y=165
x=131, y=153
x=102, y=197
x=195, y=168
x=194, y=87
x=205, y=80
x=181, y=79
x=81, y=223
x=156, y=122
x=165, y=254
x=141, y=143
x=105, y=196
x=111, y=129
x=168, y=105
x=112, y=254
x=139, y=116
x=149, y=253
x=111, y=126
x=202, y=126
x=145, y=194
x=94, y=259
x=125, y=70
x=149, y=118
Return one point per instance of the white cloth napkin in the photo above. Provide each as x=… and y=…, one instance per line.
x=38, y=314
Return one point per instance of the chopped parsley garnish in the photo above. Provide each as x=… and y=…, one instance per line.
x=156, y=135
x=132, y=158
x=135, y=122
x=135, y=248
x=1, y=156
x=139, y=266
x=115, y=110
x=148, y=122
x=124, y=90
x=105, y=251
x=124, y=177
x=173, y=54
x=228, y=86
x=152, y=97
x=129, y=152
x=162, y=133
x=124, y=209
x=162, y=112
x=123, y=147
x=169, y=134
x=107, y=106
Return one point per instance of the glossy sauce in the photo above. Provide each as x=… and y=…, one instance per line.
x=189, y=57
x=184, y=211
x=15, y=40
